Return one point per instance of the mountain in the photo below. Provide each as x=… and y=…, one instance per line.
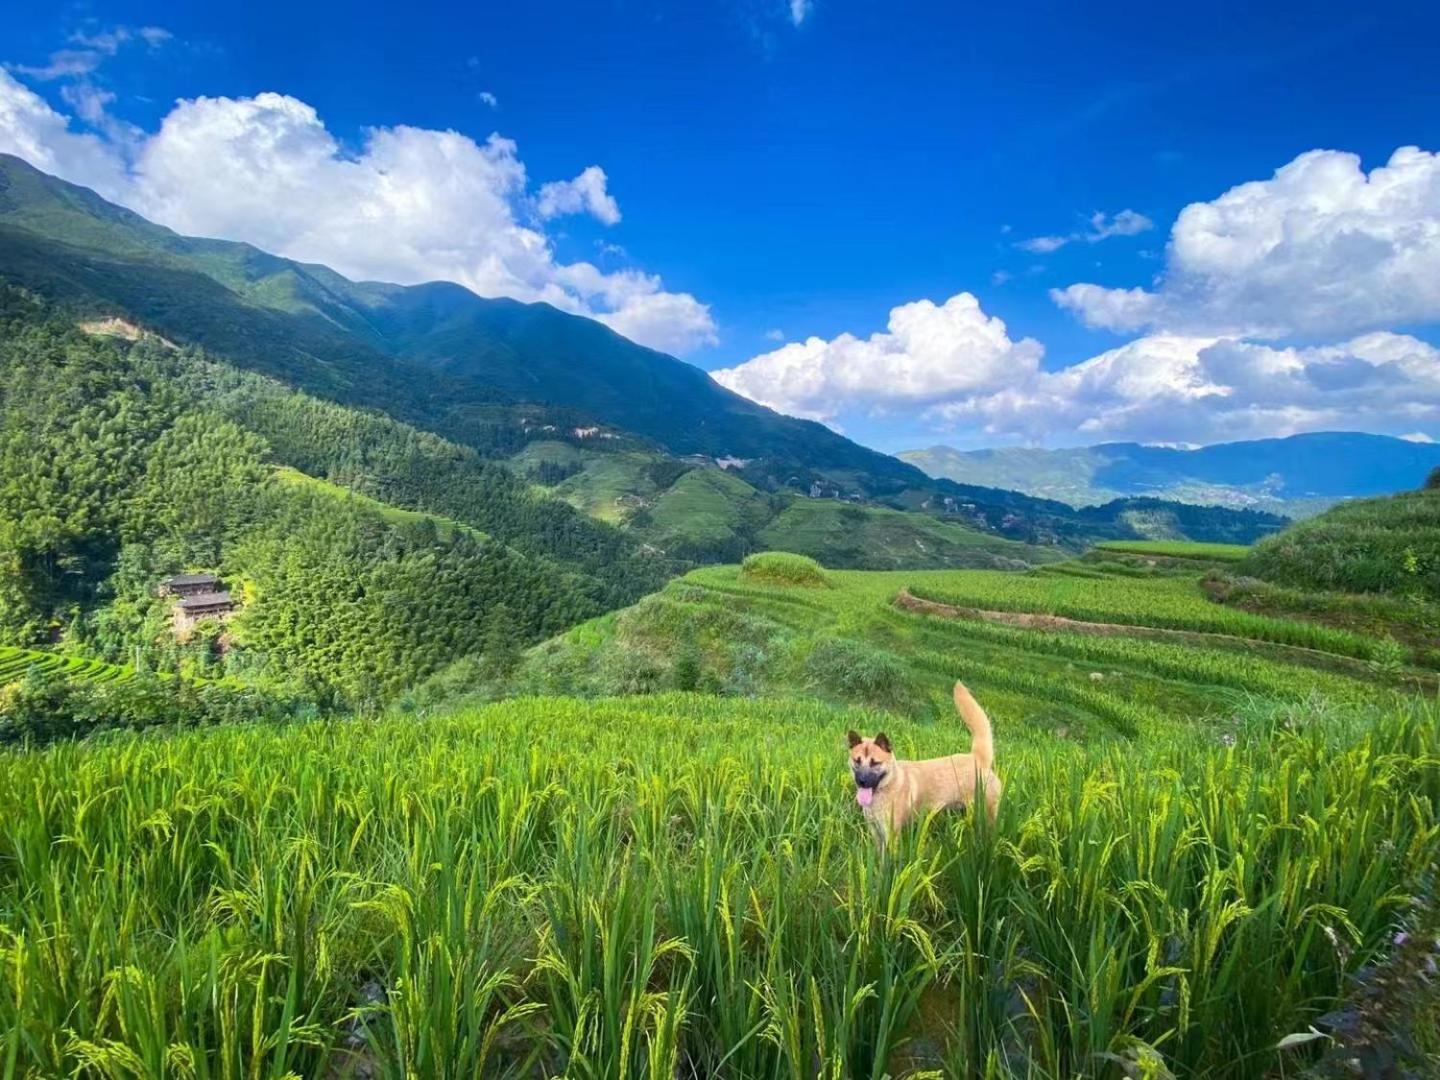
x=1295, y=476
x=491, y=375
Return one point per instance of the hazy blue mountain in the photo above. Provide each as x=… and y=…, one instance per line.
x=1298, y=475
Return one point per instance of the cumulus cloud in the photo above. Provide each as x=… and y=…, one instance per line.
x=410, y=205
x=927, y=353
x=1320, y=249
x=32, y=130
x=585, y=194
x=1168, y=387
x=954, y=367
x=486, y=97
x=1100, y=226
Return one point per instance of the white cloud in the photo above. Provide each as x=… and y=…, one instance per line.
x=489, y=99
x=585, y=194
x=1321, y=248
x=32, y=130
x=927, y=354
x=951, y=366
x=1169, y=387
x=1417, y=437
x=411, y=205
x=799, y=10
x=1100, y=226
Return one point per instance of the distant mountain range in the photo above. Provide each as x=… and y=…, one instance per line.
x=1295, y=476
x=495, y=375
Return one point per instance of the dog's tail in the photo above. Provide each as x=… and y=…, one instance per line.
x=982, y=743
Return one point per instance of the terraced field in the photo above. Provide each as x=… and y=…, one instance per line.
x=15, y=663
x=1160, y=655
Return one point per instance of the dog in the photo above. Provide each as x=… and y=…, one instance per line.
x=891, y=792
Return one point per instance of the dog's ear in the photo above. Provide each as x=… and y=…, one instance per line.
x=854, y=737
x=883, y=742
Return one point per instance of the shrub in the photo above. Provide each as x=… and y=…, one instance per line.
x=784, y=568
x=853, y=671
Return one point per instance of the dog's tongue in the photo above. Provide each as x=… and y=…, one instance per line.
x=863, y=795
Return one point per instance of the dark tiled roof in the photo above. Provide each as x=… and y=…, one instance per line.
x=182, y=580
x=207, y=600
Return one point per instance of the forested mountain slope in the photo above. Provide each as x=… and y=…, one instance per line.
x=122, y=463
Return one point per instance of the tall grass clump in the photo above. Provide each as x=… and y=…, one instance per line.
x=783, y=568
x=681, y=886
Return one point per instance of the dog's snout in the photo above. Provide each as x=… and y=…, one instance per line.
x=868, y=777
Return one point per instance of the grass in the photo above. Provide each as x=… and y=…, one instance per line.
x=681, y=886
x=1389, y=545
x=1178, y=549
x=611, y=486
x=1168, y=602
x=1204, y=847
x=720, y=630
x=16, y=663
x=784, y=569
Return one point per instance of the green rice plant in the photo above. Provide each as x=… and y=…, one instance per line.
x=1174, y=603
x=1177, y=549
x=680, y=884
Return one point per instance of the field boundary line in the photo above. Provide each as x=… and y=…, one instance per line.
x=1028, y=620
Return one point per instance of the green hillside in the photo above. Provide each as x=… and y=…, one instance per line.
x=488, y=375
x=1389, y=546
x=844, y=535
x=122, y=463
x=1165, y=651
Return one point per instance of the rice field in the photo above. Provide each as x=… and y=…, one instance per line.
x=1204, y=854
x=1177, y=549
x=680, y=886
x=16, y=663
x=1167, y=601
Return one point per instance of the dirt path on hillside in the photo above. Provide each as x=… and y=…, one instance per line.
x=1317, y=658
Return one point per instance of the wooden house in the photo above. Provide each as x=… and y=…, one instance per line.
x=191, y=585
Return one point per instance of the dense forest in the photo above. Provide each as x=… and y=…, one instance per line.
x=123, y=463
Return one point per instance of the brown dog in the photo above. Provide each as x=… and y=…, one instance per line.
x=891, y=791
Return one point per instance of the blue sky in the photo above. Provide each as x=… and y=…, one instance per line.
x=797, y=170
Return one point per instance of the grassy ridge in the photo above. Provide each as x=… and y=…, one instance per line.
x=1178, y=549
x=682, y=885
